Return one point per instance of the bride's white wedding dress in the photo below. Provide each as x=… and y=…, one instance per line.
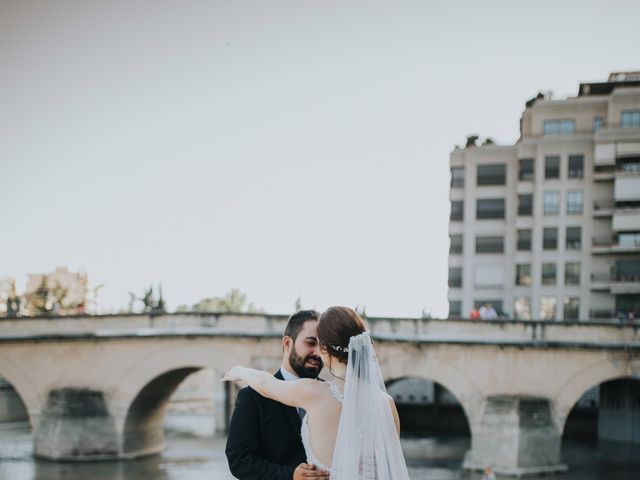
x=367, y=444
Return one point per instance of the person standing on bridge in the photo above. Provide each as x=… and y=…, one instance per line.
x=264, y=440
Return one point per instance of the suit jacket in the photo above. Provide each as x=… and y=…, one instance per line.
x=264, y=440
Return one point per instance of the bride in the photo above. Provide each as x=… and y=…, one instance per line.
x=351, y=424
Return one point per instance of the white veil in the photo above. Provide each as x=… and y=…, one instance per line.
x=367, y=445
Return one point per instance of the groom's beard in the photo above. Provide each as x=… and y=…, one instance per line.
x=307, y=367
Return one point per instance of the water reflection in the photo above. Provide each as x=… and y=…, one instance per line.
x=190, y=457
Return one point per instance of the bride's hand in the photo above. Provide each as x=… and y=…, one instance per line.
x=233, y=375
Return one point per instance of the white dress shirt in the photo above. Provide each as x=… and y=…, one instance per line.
x=288, y=376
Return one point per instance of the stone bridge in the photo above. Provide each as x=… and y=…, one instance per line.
x=97, y=387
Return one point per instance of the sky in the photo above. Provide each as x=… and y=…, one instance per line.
x=291, y=149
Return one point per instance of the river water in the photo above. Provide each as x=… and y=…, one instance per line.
x=195, y=454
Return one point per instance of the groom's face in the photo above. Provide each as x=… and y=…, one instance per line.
x=303, y=353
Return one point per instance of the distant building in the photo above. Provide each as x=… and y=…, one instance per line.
x=66, y=292
x=549, y=228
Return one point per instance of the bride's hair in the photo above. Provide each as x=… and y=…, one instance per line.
x=336, y=326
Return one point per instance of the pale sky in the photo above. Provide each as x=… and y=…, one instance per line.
x=286, y=148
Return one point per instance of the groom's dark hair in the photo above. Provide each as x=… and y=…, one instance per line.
x=297, y=320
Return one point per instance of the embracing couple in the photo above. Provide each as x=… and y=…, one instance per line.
x=292, y=426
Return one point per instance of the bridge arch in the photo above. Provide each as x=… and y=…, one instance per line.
x=439, y=371
x=141, y=397
x=425, y=407
x=24, y=387
x=587, y=378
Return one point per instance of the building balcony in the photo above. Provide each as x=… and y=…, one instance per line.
x=604, y=154
x=615, y=283
x=603, y=207
x=626, y=219
x=603, y=176
x=603, y=315
x=627, y=183
x=615, y=245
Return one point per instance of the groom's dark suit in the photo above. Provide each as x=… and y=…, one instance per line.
x=264, y=438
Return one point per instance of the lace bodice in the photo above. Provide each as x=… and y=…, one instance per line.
x=304, y=430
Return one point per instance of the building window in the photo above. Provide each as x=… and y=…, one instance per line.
x=574, y=238
x=490, y=244
x=455, y=308
x=572, y=273
x=597, y=124
x=524, y=239
x=522, y=308
x=492, y=174
x=523, y=274
x=552, y=167
x=525, y=204
x=559, y=127
x=631, y=165
x=574, y=202
x=548, y=274
x=525, y=172
x=576, y=166
x=630, y=118
x=455, y=276
x=489, y=208
x=457, y=177
x=548, y=308
x=457, y=210
x=551, y=202
x=627, y=240
x=571, y=308
x=491, y=304
x=550, y=238
x=455, y=244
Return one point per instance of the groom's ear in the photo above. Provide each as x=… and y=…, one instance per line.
x=286, y=342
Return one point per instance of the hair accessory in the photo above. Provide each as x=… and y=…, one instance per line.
x=358, y=341
x=338, y=348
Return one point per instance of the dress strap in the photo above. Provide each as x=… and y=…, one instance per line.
x=335, y=391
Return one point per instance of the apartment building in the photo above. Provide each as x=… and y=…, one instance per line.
x=549, y=228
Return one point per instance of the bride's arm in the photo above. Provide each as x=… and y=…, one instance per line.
x=394, y=413
x=296, y=393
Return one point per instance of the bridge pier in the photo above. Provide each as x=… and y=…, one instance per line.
x=75, y=424
x=517, y=437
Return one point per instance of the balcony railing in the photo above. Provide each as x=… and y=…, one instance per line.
x=615, y=277
x=623, y=243
x=605, y=204
x=600, y=315
x=602, y=241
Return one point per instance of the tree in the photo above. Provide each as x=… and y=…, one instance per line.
x=58, y=294
x=38, y=301
x=13, y=302
x=235, y=301
x=471, y=141
x=150, y=304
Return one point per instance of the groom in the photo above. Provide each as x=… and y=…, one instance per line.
x=264, y=440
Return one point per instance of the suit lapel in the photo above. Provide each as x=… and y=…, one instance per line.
x=291, y=412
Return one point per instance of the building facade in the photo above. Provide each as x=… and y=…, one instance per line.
x=549, y=228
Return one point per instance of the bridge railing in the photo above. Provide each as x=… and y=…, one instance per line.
x=405, y=329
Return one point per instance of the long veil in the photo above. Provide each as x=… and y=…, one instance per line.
x=367, y=444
